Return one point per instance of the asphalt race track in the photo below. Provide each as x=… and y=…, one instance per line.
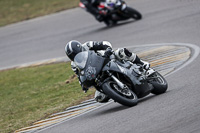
x=164, y=21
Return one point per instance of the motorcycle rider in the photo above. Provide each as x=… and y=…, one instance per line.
x=92, y=7
x=74, y=47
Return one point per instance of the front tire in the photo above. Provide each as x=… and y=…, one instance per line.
x=110, y=89
x=159, y=83
x=134, y=13
x=110, y=23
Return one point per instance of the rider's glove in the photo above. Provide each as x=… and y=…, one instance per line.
x=108, y=52
x=84, y=88
x=146, y=65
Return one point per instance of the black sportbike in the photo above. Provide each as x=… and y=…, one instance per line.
x=115, y=10
x=122, y=81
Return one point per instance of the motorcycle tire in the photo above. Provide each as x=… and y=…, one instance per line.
x=134, y=13
x=109, y=89
x=110, y=23
x=160, y=85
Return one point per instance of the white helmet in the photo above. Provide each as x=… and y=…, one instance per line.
x=111, y=1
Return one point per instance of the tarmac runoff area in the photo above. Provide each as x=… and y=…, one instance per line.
x=166, y=58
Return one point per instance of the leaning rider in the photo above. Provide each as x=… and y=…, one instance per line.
x=92, y=7
x=74, y=47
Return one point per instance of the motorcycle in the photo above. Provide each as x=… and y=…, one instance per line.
x=122, y=81
x=114, y=11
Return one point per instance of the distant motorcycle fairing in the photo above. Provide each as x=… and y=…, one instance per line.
x=122, y=81
x=113, y=11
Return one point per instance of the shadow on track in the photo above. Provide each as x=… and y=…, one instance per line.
x=116, y=25
x=146, y=98
x=103, y=29
x=117, y=107
x=109, y=111
x=151, y=96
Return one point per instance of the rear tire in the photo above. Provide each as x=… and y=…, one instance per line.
x=109, y=89
x=134, y=13
x=160, y=84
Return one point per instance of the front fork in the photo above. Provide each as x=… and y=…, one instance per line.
x=123, y=88
x=119, y=83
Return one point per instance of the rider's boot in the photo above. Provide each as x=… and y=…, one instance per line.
x=100, y=97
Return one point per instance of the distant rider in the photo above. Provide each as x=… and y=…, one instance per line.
x=74, y=47
x=92, y=7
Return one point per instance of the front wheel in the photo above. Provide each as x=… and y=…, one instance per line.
x=110, y=22
x=134, y=13
x=159, y=83
x=123, y=96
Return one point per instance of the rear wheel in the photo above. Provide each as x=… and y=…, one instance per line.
x=123, y=96
x=159, y=83
x=134, y=13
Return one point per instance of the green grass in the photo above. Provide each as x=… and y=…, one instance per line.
x=33, y=93
x=12, y=11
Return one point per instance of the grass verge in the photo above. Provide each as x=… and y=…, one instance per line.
x=12, y=11
x=31, y=94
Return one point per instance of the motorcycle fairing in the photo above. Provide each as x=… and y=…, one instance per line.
x=92, y=67
x=113, y=66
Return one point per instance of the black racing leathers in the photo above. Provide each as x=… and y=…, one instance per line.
x=92, y=6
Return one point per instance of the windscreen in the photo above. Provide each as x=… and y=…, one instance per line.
x=81, y=59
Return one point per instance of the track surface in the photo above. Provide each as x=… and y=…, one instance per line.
x=168, y=21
